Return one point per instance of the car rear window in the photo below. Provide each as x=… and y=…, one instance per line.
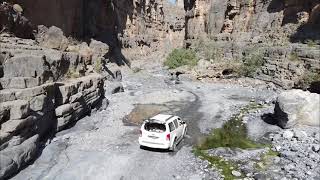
x=155, y=127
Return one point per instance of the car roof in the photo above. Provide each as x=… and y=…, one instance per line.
x=162, y=117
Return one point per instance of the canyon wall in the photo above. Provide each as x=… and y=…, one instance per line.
x=285, y=32
x=150, y=25
x=41, y=93
x=49, y=81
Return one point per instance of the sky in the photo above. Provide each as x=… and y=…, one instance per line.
x=172, y=1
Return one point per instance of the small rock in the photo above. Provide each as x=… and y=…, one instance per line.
x=294, y=148
x=316, y=147
x=277, y=148
x=317, y=136
x=236, y=173
x=308, y=172
x=287, y=134
x=300, y=135
x=276, y=160
x=276, y=137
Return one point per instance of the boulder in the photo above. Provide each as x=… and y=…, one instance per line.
x=52, y=38
x=18, y=108
x=13, y=159
x=19, y=82
x=12, y=126
x=33, y=66
x=99, y=49
x=297, y=107
x=85, y=53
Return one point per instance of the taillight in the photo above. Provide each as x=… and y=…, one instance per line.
x=168, y=137
x=140, y=133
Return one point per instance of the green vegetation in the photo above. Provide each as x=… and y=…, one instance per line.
x=306, y=80
x=208, y=49
x=72, y=73
x=181, y=57
x=136, y=69
x=232, y=134
x=311, y=43
x=251, y=64
x=218, y=162
x=266, y=159
x=294, y=57
x=98, y=66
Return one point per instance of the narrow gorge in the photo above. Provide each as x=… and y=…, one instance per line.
x=78, y=77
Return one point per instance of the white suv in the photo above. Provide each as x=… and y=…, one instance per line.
x=162, y=131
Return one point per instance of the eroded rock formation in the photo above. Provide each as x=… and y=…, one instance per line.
x=286, y=33
x=42, y=91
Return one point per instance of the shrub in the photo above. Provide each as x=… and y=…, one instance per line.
x=181, y=57
x=98, y=66
x=208, y=49
x=232, y=134
x=136, y=70
x=251, y=64
x=226, y=166
x=311, y=43
x=294, y=57
x=72, y=74
x=307, y=79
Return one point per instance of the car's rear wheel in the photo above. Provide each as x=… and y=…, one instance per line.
x=174, y=146
x=185, y=132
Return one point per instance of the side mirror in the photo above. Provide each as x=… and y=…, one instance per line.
x=183, y=122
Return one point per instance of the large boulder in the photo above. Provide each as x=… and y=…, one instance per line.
x=297, y=107
x=17, y=157
x=52, y=38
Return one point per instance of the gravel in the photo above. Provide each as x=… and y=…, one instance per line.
x=101, y=146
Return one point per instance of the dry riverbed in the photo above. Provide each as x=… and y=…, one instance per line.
x=105, y=144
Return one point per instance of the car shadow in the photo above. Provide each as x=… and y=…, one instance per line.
x=154, y=149
x=179, y=147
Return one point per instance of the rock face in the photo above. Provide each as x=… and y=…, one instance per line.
x=297, y=107
x=51, y=38
x=147, y=25
x=42, y=91
x=12, y=20
x=283, y=32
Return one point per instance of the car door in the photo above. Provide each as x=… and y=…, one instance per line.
x=172, y=129
x=179, y=128
x=182, y=125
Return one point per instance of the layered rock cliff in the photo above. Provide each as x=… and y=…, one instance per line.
x=41, y=93
x=139, y=24
x=49, y=81
x=286, y=33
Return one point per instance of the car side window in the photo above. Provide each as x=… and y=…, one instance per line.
x=171, y=127
x=176, y=123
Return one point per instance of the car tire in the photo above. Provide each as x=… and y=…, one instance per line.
x=185, y=132
x=174, y=146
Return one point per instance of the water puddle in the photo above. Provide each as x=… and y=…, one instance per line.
x=188, y=111
x=142, y=112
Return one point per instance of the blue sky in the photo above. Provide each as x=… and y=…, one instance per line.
x=172, y=1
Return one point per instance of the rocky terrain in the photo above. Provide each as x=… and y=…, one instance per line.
x=78, y=77
x=285, y=33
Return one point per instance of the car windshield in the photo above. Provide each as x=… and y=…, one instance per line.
x=155, y=127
